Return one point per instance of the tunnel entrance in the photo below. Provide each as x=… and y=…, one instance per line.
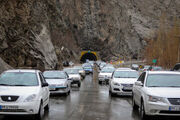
x=89, y=56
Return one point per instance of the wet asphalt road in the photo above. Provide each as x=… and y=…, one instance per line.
x=90, y=102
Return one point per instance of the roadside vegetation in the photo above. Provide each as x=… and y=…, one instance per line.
x=165, y=44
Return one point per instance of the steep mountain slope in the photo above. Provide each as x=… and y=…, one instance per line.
x=43, y=33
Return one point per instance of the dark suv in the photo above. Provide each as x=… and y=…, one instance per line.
x=176, y=67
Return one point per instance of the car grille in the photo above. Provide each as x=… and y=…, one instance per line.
x=126, y=90
x=174, y=101
x=12, y=110
x=9, y=98
x=127, y=85
x=169, y=112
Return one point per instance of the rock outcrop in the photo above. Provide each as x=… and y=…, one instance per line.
x=43, y=33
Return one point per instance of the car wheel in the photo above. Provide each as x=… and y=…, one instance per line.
x=46, y=107
x=142, y=112
x=40, y=114
x=69, y=91
x=135, y=106
x=100, y=82
x=79, y=84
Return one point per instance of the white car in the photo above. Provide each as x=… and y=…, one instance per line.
x=74, y=75
x=58, y=81
x=105, y=74
x=23, y=92
x=157, y=93
x=122, y=82
x=81, y=71
x=102, y=64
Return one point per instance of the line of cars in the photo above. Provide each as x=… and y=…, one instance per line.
x=154, y=92
x=27, y=92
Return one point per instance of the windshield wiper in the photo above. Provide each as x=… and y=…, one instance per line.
x=19, y=85
x=5, y=85
x=154, y=86
x=172, y=86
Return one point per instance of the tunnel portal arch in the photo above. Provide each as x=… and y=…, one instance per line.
x=92, y=56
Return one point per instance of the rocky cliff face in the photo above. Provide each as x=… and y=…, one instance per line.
x=43, y=33
x=116, y=27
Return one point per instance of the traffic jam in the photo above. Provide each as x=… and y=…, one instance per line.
x=89, y=90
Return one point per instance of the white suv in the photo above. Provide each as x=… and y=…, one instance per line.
x=122, y=81
x=23, y=92
x=157, y=93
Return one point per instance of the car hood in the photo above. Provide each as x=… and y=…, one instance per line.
x=13, y=90
x=56, y=81
x=125, y=80
x=73, y=75
x=164, y=92
x=105, y=74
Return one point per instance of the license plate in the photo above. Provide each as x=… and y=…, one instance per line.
x=9, y=107
x=174, y=108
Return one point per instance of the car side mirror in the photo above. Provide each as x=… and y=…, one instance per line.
x=45, y=84
x=138, y=83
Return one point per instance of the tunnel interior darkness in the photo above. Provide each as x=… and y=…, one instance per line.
x=89, y=56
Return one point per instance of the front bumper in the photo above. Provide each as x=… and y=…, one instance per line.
x=102, y=79
x=121, y=90
x=59, y=90
x=75, y=82
x=158, y=108
x=88, y=71
x=22, y=108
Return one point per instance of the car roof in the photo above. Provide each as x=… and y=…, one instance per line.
x=53, y=71
x=23, y=70
x=123, y=69
x=162, y=72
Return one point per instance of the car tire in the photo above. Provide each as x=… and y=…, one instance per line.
x=79, y=84
x=100, y=82
x=135, y=106
x=46, y=108
x=40, y=114
x=142, y=112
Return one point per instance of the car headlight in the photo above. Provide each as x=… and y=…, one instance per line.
x=30, y=98
x=115, y=83
x=155, y=99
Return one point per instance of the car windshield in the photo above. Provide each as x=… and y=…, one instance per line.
x=88, y=66
x=54, y=75
x=102, y=64
x=146, y=67
x=157, y=68
x=107, y=70
x=126, y=74
x=19, y=79
x=72, y=71
x=163, y=80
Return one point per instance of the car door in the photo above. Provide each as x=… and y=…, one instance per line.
x=138, y=88
x=45, y=89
